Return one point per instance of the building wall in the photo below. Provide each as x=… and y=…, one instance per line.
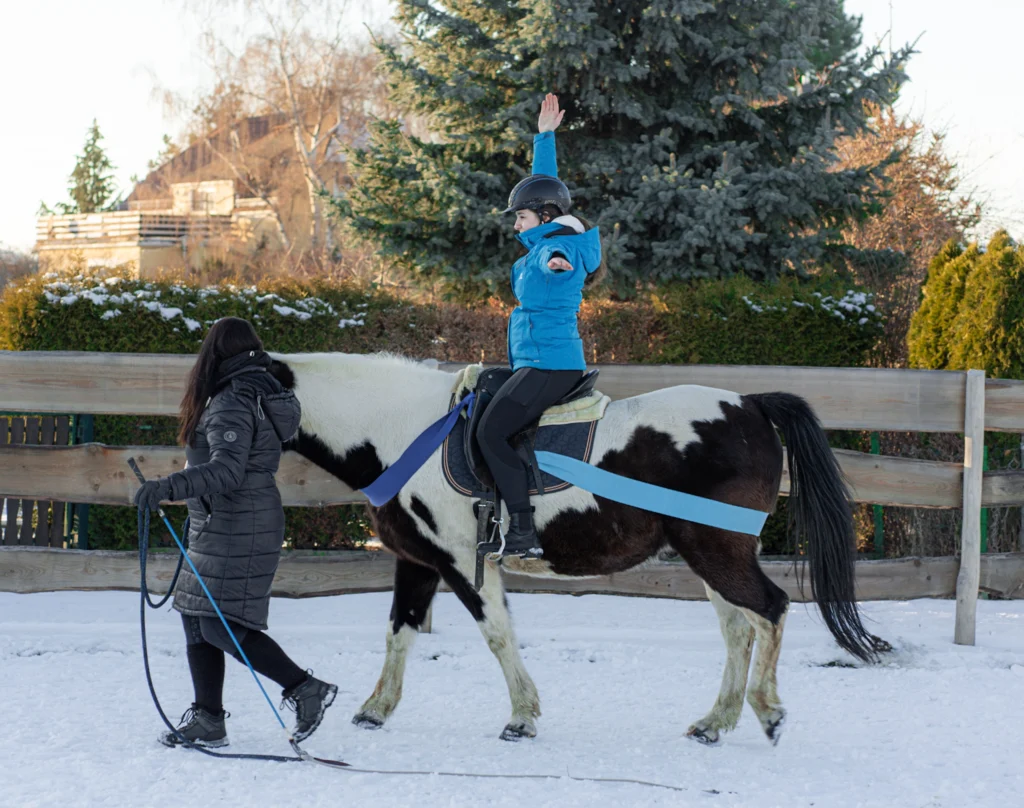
x=70, y=257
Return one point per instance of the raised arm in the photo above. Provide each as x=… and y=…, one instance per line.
x=544, y=158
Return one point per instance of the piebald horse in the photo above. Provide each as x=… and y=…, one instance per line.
x=360, y=412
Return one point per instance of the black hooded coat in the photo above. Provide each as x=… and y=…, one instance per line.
x=236, y=517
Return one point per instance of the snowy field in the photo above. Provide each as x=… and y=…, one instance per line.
x=620, y=680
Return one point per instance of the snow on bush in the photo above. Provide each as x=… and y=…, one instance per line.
x=114, y=295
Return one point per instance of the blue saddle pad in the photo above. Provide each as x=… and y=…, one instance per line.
x=571, y=440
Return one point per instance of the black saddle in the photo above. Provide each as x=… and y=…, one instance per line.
x=488, y=385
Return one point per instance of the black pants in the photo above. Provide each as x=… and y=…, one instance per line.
x=206, y=642
x=520, y=402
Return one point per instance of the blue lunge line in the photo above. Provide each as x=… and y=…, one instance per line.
x=652, y=497
x=395, y=476
x=216, y=608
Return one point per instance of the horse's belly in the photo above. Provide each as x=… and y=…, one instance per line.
x=538, y=568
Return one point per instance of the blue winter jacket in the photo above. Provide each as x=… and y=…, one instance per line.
x=542, y=331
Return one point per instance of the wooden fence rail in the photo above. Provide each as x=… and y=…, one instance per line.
x=98, y=475
x=843, y=398
x=310, y=574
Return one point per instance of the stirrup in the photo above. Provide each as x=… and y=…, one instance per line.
x=486, y=530
x=529, y=553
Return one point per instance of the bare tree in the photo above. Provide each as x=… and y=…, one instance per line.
x=926, y=204
x=300, y=71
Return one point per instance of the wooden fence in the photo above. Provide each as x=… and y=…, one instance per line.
x=128, y=226
x=304, y=573
x=844, y=398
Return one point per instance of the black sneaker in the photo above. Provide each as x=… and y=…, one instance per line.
x=521, y=537
x=200, y=727
x=310, y=701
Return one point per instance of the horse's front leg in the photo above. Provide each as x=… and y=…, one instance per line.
x=490, y=611
x=415, y=587
x=496, y=626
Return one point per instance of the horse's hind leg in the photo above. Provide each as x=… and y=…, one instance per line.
x=739, y=641
x=490, y=610
x=727, y=562
x=762, y=694
x=415, y=587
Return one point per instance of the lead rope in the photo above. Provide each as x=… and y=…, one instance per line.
x=301, y=755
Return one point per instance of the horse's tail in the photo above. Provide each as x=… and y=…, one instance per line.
x=819, y=513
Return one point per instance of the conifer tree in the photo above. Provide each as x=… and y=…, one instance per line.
x=930, y=327
x=91, y=185
x=988, y=331
x=699, y=135
x=972, y=310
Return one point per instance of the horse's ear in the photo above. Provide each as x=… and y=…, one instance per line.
x=280, y=371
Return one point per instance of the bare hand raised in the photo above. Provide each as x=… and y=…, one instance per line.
x=559, y=264
x=550, y=114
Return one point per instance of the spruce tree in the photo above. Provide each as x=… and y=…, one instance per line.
x=92, y=185
x=698, y=134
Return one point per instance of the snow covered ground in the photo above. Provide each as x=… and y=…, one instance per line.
x=620, y=680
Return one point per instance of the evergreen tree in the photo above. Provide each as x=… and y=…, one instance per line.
x=699, y=134
x=972, y=313
x=988, y=332
x=91, y=185
x=930, y=328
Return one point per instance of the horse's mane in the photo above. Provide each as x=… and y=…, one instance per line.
x=380, y=361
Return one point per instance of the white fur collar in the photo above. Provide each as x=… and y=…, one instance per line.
x=570, y=221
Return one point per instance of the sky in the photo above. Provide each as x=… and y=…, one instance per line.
x=963, y=83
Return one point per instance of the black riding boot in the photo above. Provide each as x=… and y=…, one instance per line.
x=521, y=536
x=200, y=727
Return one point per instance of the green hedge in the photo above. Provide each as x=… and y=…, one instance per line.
x=714, y=322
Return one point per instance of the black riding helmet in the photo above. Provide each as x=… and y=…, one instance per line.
x=539, y=190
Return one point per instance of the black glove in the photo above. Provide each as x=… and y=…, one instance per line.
x=152, y=493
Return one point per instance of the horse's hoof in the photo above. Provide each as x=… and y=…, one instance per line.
x=368, y=720
x=516, y=731
x=706, y=736
x=773, y=728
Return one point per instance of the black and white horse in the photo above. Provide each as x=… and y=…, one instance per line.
x=359, y=413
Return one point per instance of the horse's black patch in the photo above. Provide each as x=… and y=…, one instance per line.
x=415, y=587
x=283, y=373
x=399, y=533
x=395, y=526
x=359, y=466
x=737, y=459
x=423, y=512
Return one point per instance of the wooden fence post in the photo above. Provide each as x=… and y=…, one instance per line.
x=970, y=541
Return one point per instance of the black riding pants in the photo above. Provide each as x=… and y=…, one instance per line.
x=206, y=642
x=520, y=402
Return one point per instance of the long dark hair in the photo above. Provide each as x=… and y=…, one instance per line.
x=228, y=337
x=550, y=213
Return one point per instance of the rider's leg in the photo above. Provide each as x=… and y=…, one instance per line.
x=520, y=402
